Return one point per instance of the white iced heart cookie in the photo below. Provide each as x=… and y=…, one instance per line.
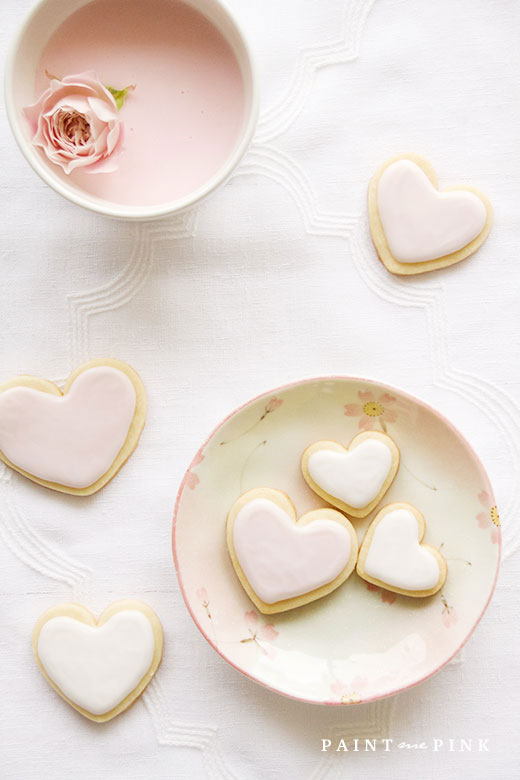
x=393, y=556
x=74, y=440
x=283, y=561
x=99, y=667
x=356, y=478
x=415, y=228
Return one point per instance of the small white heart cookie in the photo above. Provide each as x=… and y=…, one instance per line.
x=283, y=561
x=73, y=441
x=393, y=556
x=99, y=667
x=356, y=478
x=415, y=228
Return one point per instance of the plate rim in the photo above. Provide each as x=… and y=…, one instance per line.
x=273, y=391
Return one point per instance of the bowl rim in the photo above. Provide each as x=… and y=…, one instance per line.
x=120, y=211
x=288, y=386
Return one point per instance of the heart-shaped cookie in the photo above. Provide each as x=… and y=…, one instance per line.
x=393, y=556
x=283, y=561
x=356, y=478
x=73, y=441
x=415, y=228
x=99, y=667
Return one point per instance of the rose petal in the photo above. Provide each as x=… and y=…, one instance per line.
x=113, y=138
x=102, y=110
x=102, y=165
x=91, y=79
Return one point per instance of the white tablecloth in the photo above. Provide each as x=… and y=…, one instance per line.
x=272, y=279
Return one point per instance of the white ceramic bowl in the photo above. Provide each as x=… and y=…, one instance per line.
x=360, y=643
x=20, y=70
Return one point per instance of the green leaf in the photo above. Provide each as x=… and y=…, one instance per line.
x=120, y=95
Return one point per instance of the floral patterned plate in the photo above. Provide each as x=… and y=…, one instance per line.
x=360, y=643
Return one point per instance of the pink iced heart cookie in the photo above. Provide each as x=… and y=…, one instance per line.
x=283, y=561
x=75, y=440
x=394, y=557
x=415, y=228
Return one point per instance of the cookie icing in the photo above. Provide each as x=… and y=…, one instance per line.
x=355, y=477
x=420, y=223
x=396, y=557
x=72, y=439
x=282, y=560
x=96, y=667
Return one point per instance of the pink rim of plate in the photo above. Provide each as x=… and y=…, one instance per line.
x=274, y=391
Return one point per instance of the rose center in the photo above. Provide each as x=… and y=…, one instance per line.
x=75, y=127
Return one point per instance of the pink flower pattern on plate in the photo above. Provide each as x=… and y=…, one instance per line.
x=192, y=479
x=260, y=633
x=490, y=518
x=349, y=693
x=449, y=616
x=373, y=411
x=271, y=406
x=202, y=595
x=387, y=596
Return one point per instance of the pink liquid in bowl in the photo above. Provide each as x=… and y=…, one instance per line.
x=183, y=119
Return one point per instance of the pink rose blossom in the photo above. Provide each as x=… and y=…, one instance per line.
x=75, y=122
